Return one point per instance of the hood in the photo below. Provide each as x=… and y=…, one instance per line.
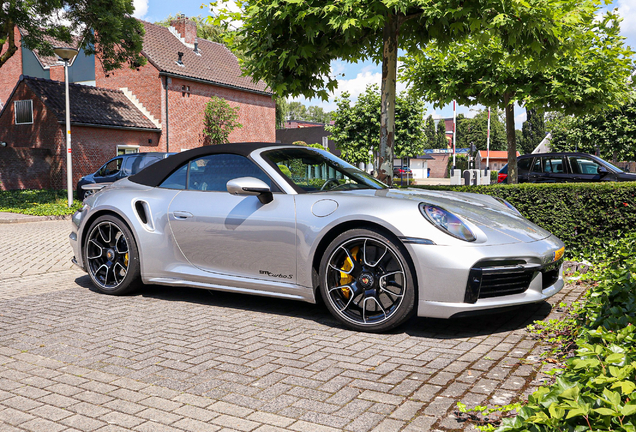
x=484, y=211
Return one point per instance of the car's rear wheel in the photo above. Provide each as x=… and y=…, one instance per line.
x=366, y=280
x=111, y=256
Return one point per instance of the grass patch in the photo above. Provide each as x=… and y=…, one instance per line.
x=37, y=202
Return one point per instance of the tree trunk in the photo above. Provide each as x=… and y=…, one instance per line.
x=387, y=110
x=511, y=138
x=11, y=47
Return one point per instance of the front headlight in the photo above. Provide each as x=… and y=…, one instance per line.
x=447, y=222
x=507, y=204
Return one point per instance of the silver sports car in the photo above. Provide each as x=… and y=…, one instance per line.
x=298, y=223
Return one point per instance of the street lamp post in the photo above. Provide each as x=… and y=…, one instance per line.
x=67, y=54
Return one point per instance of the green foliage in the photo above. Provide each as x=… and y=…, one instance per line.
x=105, y=28
x=298, y=111
x=219, y=120
x=290, y=44
x=475, y=130
x=37, y=202
x=356, y=130
x=533, y=130
x=591, y=73
x=612, y=132
x=586, y=216
x=441, y=142
x=597, y=388
x=429, y=133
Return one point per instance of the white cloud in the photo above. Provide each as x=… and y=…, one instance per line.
x=627, y=10
x=141, y=8
x=368, y=75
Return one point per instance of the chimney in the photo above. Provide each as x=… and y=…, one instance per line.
x=186, y=28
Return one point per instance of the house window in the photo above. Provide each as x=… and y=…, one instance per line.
x=126, y=149
x=23, y=112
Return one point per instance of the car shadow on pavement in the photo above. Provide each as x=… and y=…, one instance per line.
x=491, y=322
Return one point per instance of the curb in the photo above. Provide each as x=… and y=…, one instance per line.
x=7, y=218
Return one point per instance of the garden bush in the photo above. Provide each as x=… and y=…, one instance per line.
x=596, y=390
x=586, y=216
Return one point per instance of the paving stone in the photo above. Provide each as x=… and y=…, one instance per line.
x=177, y=360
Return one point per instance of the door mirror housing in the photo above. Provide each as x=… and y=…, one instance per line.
x=250, y=186
x=602, y=170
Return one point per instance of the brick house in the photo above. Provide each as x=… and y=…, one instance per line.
x=169, y=92
x=32, y=125
x=497, y=159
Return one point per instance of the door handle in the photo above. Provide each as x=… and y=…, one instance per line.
x=182, y=214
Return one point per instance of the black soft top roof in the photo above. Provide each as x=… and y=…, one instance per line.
x=159, y=171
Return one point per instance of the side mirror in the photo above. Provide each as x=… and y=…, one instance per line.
x=602, y=170
x=250, y=186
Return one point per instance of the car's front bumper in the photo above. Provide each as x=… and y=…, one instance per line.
x=446, y=276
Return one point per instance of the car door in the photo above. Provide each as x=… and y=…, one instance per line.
x=584, y=169
x=523, y=169
x=229, y=234
x=110, y=171
x=548, y=169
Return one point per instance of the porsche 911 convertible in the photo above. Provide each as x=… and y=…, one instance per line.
x=299, y=223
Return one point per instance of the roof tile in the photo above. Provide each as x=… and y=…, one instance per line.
x=90, y=105
x=215, y=63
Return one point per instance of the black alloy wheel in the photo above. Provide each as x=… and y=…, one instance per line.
x=111, y=256
x=366, y=281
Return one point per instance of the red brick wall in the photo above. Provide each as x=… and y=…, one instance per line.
x=186, y=28
x=92, y=146
x=257, y=114
x=57, y=73
x=438, y=164
x=25, y=168
x=11, y=70
x=35, y=156
x=143, y=81
x=27, y=145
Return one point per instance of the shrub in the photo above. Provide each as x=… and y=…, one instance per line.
x=586, y=216
x=597, y=389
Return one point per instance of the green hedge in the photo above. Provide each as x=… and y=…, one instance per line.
x=586, y=216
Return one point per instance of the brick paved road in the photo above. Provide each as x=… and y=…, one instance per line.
x=190, y=360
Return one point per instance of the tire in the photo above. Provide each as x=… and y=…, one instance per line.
x=366, y=280
x=111, y=256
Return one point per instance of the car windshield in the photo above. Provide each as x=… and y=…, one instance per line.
x=317, y=170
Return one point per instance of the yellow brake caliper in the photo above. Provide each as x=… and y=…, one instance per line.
x=346, y=279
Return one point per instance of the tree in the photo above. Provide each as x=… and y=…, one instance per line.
x=290, y=44
x=590, y=73
x=533, y=130
x=475, y=131
x=103, y=28
x=429, y=132
x=219, y=120
x=356, y=130
x=312, y=113
x=282, y=108
x=612, y=133
x=441, y=142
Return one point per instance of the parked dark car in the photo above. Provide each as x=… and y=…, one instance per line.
x=117, y=168
x=564, y=167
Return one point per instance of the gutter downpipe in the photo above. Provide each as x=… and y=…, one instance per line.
x=167, y=122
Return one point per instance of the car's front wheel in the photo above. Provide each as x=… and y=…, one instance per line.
x=111, y=256
x=366, y=280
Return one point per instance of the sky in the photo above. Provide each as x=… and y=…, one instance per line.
x=354, y=78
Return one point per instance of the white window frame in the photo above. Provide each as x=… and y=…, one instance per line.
x=135, y=149
x=15, y=112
